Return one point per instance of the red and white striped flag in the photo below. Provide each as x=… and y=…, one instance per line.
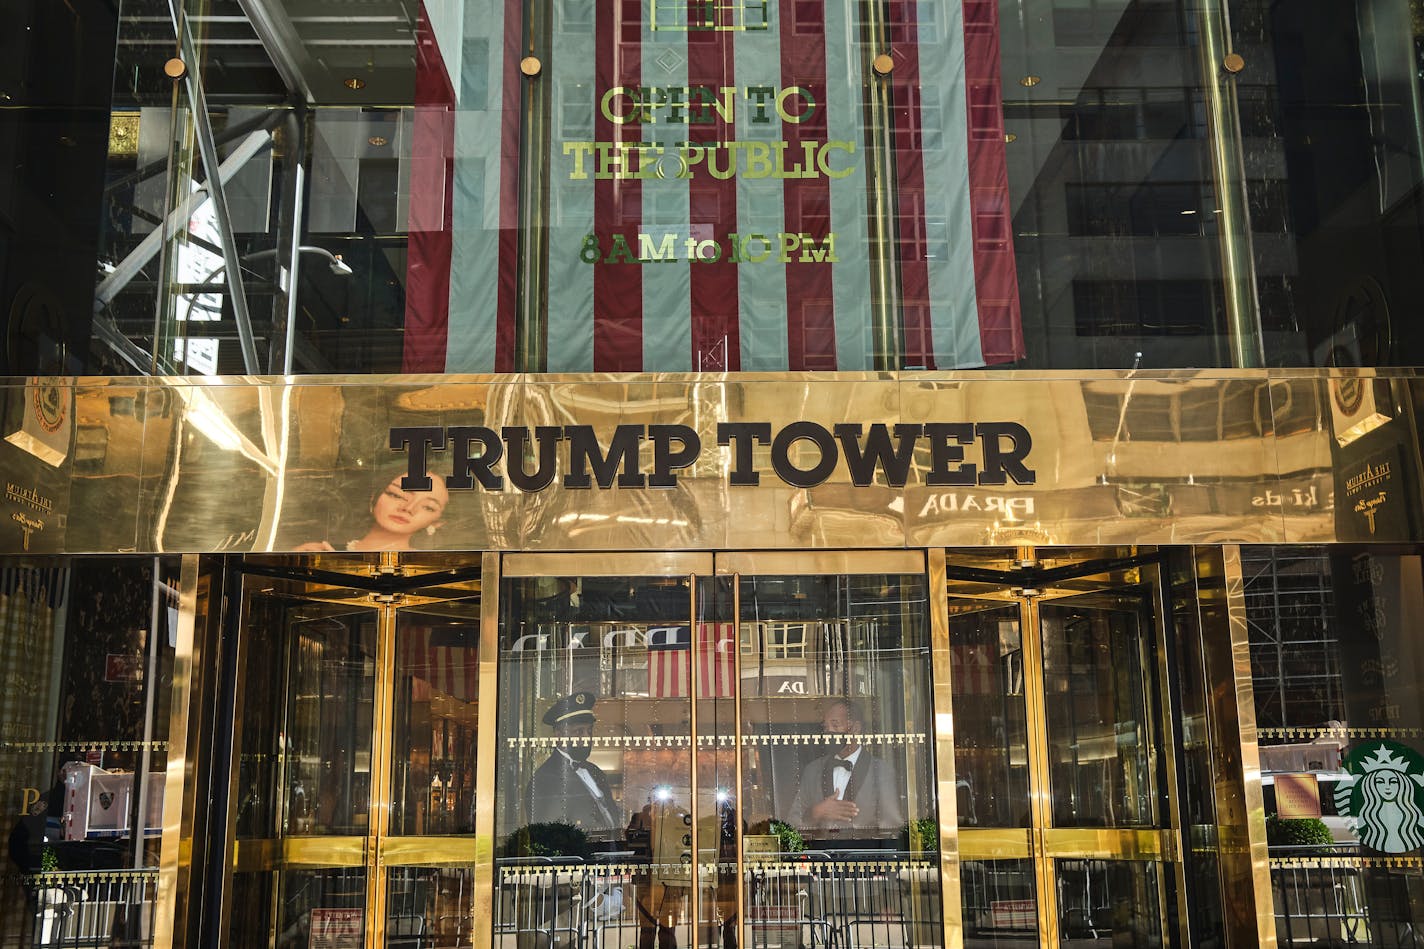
x=435, y=661
x=670, y=659
x=707, y=186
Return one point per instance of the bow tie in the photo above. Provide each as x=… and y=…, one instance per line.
x=843, y=763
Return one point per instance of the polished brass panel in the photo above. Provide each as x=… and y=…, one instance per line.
x=949, y=840
x=1240, y=805
x=819, y=562
x=606, y=565
x=299, y=853
x=382, y=737
x=992, y=843
x=486, y=741
x=175, y=850
x=742, y=927
x=427, y=851
x=694, y=804
x=1205, y=457
x=1040, y=775
x=1103, y=843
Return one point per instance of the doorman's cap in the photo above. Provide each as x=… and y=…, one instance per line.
x=574, y=708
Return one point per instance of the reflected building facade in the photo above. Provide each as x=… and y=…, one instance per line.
x=691, y=473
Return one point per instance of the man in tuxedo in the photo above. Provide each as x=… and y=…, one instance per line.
x=567, y=788
x=850, y=789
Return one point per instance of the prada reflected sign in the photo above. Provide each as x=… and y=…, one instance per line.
x=802, y=454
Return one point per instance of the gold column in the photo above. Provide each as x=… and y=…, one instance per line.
x=175, y=861
x=943, y=693
x=742, y=929
x=1236, y=761
x=382, y=737
x=694, y=664
x=1040, y=795
x=482, y=900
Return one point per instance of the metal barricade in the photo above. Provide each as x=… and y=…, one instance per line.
x=102, y=908
x=541, y=902
x=1339, y=896
x=810, y=900
x=845, y=899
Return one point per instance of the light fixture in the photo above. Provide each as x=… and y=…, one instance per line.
x=378, y=140
x=355, y=83
x=1010, y=137
x=1028, y=82
x=1189, y=211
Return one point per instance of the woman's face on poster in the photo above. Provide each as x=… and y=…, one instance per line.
x=409, y=512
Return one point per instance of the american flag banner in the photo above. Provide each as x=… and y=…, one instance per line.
x=434, y=661
x=670, y=659
x=974, y=669
x=707, y=186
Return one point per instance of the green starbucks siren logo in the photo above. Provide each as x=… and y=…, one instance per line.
x=1381, y=796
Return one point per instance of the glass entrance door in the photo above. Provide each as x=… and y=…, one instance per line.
x=1068, y=826
x=352, y=802
x=715, y=751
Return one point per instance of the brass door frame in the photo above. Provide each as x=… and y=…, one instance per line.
x=1043, y=843
x=376, y=850
x=729, y=564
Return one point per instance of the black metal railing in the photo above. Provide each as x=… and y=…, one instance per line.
x=1339, y=896
x=76, y=910
x=809, y=900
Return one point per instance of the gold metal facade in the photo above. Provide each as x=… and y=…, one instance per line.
x=1162, y=457
x=1207, y=460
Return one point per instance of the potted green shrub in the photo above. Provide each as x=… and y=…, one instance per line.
x=1299, y=832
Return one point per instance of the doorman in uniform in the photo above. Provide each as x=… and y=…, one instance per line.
x=568, y=788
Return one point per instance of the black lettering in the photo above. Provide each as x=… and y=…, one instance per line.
x=665, y=459
x=622, y=452
x=878, y=453
x=781, y=454
x=479, y=466
x=1001, y=464
x=419, y=440
x=943, y=455
x=741, y=435
x=516, y=441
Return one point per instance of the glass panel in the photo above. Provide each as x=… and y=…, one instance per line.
x=718, y=801
x=433, y=745
x=1097, y=651
x=1109, y=903
x=250, y=922
x=321, y=908
x=990, y=723
x=428, y=907
x=1335, y=668
x=307, y=715
x=1000, y=903
x=595, y=759
x=85, y=686
x=836, y=783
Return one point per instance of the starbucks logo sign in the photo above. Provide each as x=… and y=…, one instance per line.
x=1382, y=795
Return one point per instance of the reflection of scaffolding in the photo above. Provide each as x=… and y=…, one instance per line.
x=1295, y=656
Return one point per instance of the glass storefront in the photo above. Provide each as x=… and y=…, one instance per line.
x=549, y=186
x=760, y=748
